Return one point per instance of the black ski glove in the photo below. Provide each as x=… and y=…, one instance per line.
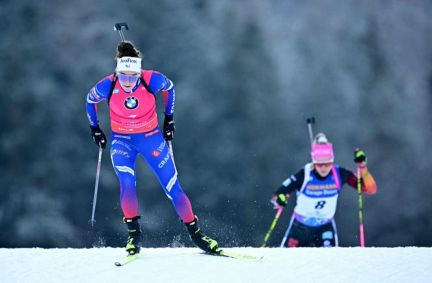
x=359, y=156
x=98, y=136
x=168, y=127
x=279, y=200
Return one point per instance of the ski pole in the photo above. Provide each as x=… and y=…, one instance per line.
x=92, y=221
x=171, y=150
x=362, y=243
x=310, y=121
x=172, y=154
x=287, y=232
x=119, y=26
x=267, y=236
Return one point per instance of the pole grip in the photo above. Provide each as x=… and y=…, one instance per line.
x=310, y=121
x=119, y=26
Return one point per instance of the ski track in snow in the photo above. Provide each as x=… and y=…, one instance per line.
x=189, y=265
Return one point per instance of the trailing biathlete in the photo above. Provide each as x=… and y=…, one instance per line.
x=318, y=185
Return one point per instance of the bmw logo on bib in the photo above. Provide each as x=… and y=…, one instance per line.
x=131, y=102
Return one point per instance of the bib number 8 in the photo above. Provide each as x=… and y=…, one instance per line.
x=320, y=204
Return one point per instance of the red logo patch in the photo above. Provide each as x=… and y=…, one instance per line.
x=156, y=153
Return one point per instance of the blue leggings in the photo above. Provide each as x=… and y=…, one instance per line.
x=152, y=146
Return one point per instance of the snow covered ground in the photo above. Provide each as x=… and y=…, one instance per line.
x=188, y=265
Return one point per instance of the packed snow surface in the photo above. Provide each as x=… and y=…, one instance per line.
x=189, y=265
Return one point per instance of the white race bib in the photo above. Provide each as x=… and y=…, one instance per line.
x=317, y=199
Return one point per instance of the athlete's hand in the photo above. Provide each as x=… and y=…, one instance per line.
x=168, y=127
x=279, y=200
x=98, y=136
x=360, y=157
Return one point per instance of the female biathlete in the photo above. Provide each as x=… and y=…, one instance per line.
x=130, y=93
x=318, y=185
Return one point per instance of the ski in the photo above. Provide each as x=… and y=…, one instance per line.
x=220, y=252
x=128, y=259
x=235, y=255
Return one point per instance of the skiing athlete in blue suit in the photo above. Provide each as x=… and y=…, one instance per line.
x=130, y=93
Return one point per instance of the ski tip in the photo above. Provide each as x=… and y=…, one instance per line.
x=235, y=255
x=128, y=259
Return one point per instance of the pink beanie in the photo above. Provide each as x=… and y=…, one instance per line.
x=322, y=153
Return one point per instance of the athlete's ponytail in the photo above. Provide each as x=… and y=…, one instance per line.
x=127, y=49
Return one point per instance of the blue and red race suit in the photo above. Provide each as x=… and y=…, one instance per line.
x=135, y=131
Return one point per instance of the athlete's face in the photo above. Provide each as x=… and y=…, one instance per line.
x=323, y=169
x=128, y=79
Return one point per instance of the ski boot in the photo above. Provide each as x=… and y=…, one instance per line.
x=200, y=239
x=135, y=238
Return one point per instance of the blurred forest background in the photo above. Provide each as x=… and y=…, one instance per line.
x=247, y=75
